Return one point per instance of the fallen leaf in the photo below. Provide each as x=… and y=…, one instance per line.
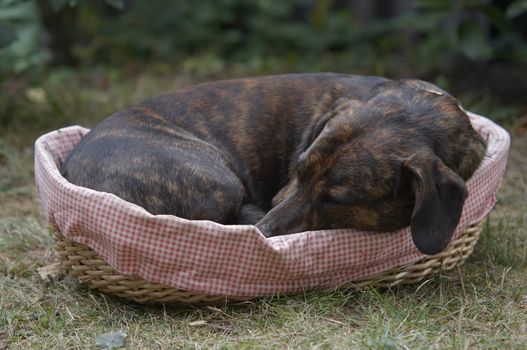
x=197, y=323
x=110, y=340
x=50, y=272
x=36, y=95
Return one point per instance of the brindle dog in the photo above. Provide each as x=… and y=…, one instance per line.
x=291, y=153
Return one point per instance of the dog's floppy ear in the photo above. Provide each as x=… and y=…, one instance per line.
x=439, y=197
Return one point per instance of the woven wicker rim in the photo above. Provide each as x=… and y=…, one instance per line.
x=83, y=263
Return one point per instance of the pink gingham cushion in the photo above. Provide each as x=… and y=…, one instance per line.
x=206, y=257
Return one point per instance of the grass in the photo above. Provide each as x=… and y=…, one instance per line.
x=480, y=305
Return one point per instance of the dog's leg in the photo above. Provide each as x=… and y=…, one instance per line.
x=163, y=169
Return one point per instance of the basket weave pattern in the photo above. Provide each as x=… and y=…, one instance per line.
x=170, y=259
x=83, y=263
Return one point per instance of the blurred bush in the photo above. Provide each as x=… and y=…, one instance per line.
x=474, y=48
x=259, y=35
x=20, y=30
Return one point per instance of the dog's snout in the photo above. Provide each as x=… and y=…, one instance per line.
x=265, y=227
x=269, y=226
x=274, y=224
x=290, y=216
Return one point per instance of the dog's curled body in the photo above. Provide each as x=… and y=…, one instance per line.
x=291, y=153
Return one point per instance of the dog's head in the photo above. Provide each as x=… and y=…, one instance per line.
x=399, y=158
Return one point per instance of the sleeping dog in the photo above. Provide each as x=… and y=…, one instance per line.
x=291, y=153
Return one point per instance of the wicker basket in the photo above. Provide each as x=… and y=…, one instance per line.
x=84, y=264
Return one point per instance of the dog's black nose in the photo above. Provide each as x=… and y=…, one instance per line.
x=264, y=228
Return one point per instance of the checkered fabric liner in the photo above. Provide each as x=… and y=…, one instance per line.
x=214, y=259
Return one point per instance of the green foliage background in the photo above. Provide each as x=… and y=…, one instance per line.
x=58, y=55
x=263, y=35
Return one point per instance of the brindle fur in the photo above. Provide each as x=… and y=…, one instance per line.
x=291, y=153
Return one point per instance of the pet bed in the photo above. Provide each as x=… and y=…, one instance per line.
x=118, y=247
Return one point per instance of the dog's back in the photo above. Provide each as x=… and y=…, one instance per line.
x=164, y=153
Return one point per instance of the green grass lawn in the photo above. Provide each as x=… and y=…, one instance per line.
x=482, y=304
